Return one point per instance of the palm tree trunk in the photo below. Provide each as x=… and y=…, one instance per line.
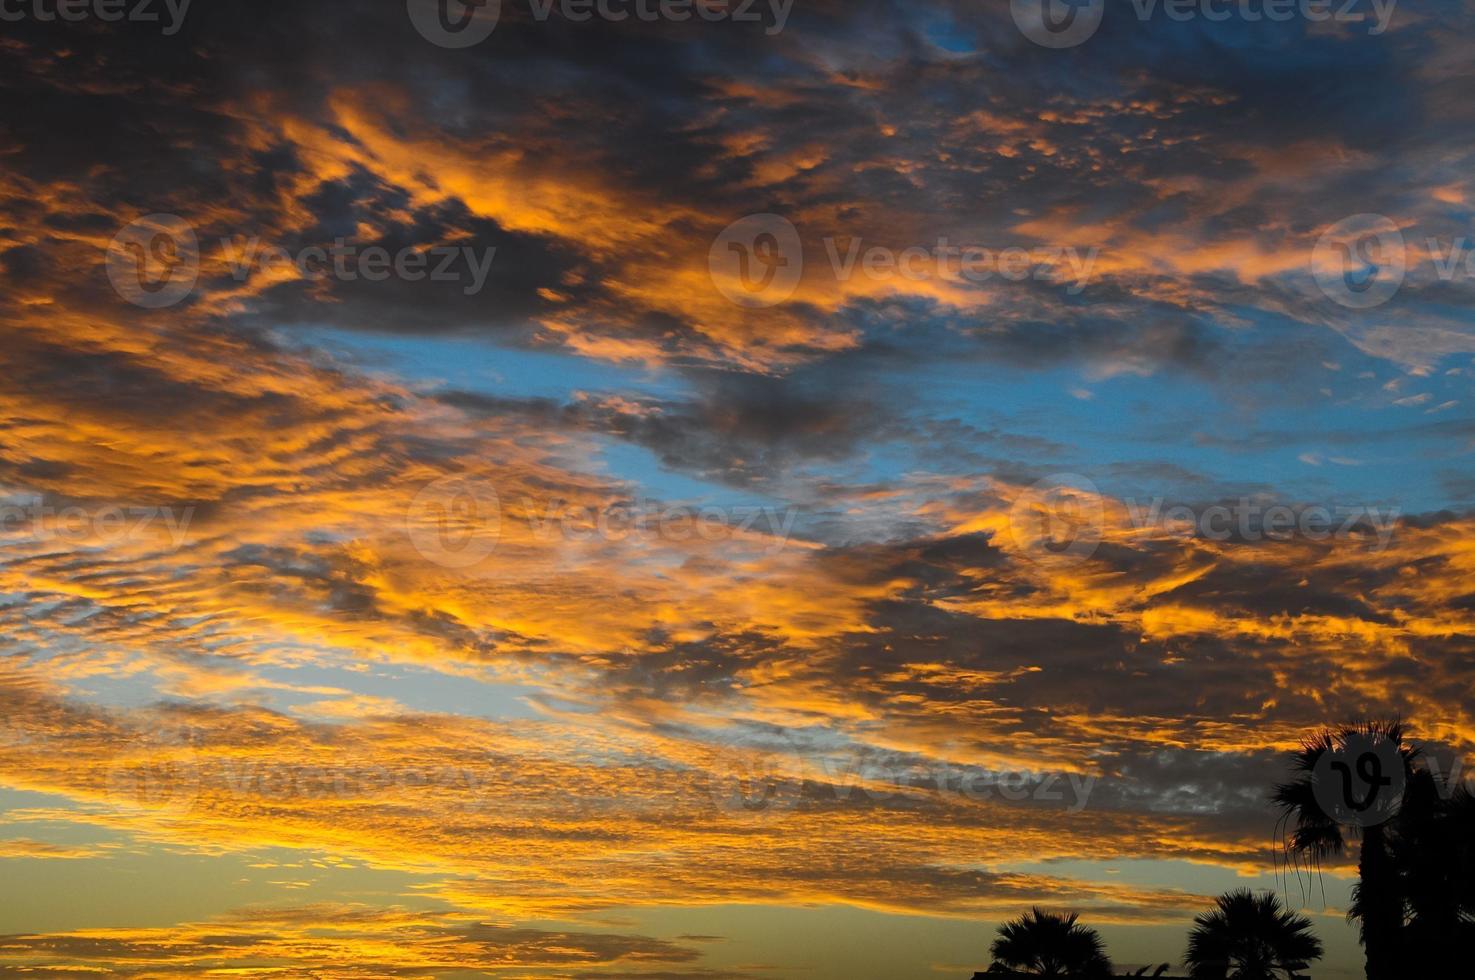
x=1382, y=907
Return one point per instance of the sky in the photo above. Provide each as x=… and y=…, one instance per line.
x=737, y=490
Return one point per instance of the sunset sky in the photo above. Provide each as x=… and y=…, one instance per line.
x=677, y=562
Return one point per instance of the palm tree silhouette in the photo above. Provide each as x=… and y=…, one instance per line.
x=1250, y=937
x=1432, y=844
x=1377, y=904
x=1051, y=945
